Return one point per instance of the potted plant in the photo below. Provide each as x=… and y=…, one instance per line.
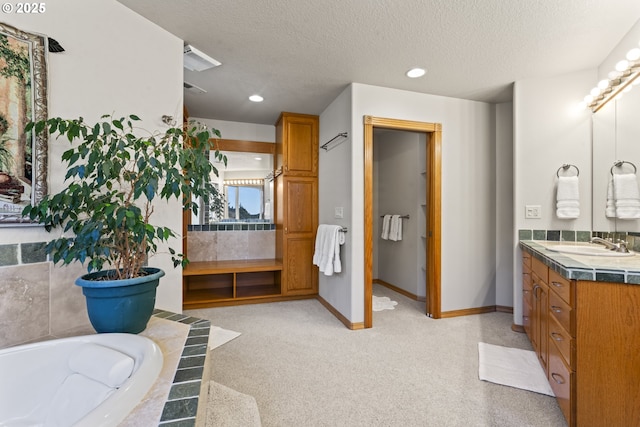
x=113, y=178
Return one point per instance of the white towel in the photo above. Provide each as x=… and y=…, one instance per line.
x=327, y=249
x=627, y=196
x=386, y=222
x=610, y=209
x=395, y=229
x=568, y=197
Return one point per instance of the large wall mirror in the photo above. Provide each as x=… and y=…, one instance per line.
x=245, y=183
x=616, y=149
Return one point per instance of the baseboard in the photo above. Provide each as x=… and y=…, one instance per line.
x=504, y=309
x=517, y=328
x=468, y=311
x=399, y=290
x=344, y=320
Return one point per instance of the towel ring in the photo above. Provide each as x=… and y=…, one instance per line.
x=567, y=166
x=619, y=163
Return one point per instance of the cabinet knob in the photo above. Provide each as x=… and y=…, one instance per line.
x=556, y=309
x=557, y=284
x=556, y=336
x=558, y=378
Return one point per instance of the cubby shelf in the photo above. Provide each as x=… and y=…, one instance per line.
x=213, y=283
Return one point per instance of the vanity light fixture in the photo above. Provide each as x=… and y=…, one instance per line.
x=414, y=73
x=619, y=81
x=256, y=98
x=244, y=182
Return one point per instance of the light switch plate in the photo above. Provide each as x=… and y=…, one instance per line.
x=339, y=212
x=532, y=212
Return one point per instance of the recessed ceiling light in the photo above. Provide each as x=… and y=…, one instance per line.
x=256, y=98
x=416, y=72
x=257, y=158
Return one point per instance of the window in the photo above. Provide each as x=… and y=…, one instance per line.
x=245, y=199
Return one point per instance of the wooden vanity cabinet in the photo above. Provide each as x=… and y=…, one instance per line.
x=296, y=201
x=592, y=344
x=539, y=310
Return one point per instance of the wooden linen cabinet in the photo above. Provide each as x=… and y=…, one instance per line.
x=296, y=201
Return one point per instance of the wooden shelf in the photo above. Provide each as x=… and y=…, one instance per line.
x=214, y=283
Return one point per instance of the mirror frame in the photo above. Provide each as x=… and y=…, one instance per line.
x=37, y=50
x=238, y=145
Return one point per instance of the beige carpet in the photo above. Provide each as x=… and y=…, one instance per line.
x=229, y=408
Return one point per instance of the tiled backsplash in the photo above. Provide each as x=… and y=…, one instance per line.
x=232, y=227
x=633, y=239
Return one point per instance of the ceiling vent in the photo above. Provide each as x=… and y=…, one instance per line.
x=193, y=88
x=196, y=60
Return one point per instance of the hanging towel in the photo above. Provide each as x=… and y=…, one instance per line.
x=610, y=209
x=568, y=197
x=327, y=249
x=386, y=223
x=626, y=195
x=395, y=228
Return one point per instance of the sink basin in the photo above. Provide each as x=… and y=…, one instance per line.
x=590, y=250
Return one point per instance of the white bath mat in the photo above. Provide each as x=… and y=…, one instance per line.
x=383, y=303
x=512, y=367
x=220, y=336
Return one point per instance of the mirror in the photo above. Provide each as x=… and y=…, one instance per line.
x=246, y=185
x=616, y=137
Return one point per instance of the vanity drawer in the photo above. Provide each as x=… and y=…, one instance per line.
x=562, y=312
x=561, y=379
x=563, y=341
x=541, y=270
x=562, y=286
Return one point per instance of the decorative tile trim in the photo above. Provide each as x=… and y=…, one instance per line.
x=181, y=406
x=232, y=227
x=22, y=253
x=632, y=238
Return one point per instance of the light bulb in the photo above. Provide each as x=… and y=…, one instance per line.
x=614, y=75
x=595, y=91
x=622, y=65
x=588, y=99
x=633, y=54
x=603, y=84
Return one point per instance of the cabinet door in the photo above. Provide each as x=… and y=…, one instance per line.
x=299, y=134
x=300, y=223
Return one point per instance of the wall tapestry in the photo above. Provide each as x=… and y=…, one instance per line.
x=23, y=98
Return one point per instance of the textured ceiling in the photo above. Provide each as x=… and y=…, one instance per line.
x=300, y=54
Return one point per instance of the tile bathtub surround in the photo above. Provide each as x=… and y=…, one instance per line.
x=181, y=408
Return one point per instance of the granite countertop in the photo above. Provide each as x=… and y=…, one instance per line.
x=585, y=267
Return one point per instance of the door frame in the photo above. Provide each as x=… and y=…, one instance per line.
x=433, y=132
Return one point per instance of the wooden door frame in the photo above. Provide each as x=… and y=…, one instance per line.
x=433, y=132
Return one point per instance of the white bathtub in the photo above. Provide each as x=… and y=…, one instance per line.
x=91, y=380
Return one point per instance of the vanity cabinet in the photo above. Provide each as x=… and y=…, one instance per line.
x=296, y=202
x=592, y=344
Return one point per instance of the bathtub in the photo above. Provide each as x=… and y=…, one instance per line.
x=91, y=380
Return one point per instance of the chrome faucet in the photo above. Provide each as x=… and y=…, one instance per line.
x=621, y=246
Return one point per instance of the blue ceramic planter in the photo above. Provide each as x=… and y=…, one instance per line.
x=120, y=305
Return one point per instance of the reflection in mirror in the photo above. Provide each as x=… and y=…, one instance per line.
x=616, y=136
x=247, y=187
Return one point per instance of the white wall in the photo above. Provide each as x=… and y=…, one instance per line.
x=467, y=186
x=334, y=190
x=397, y=190
x=549, y=130
x=115, y=62
x=504, y=200
x=240, y=130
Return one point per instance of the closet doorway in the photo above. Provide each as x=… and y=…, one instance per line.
x=433, y=135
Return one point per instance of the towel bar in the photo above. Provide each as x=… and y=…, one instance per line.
x=619, y=163
x=401, y=216
x=565, y=167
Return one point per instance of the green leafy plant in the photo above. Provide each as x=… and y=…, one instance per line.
x=113, y=177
